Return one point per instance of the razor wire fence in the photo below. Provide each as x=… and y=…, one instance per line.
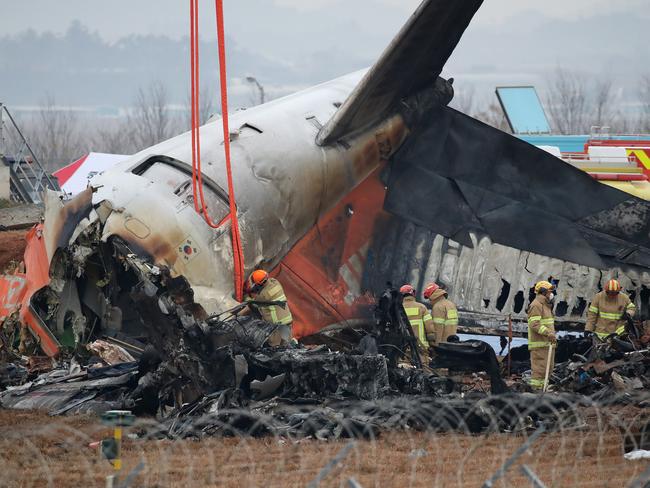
x=396, y=442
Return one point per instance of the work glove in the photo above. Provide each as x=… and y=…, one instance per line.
x=552, y=338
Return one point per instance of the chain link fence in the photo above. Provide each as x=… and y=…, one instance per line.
x=505, y=441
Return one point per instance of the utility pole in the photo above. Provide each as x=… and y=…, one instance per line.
x=253, y=80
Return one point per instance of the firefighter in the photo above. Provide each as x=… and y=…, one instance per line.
x=444, y=313
x=262, y=288
x=606, y=314
x=541, y=332
x=420, y=320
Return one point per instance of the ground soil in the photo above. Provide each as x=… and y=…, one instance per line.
x=37, y=450
x=12, y=248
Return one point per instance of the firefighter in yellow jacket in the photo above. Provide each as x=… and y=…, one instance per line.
x=541, y=332
x=419, y=318
x=606, y=313
x=444, y=313
x=262, y=288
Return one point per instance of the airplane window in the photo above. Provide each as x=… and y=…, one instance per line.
x=177, y=177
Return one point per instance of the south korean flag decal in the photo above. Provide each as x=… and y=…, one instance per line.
x=188, y=249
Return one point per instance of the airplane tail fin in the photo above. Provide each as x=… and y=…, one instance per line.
x=411, y=62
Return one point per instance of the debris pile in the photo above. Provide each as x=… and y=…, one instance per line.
x=353, y=418
x=209, y=375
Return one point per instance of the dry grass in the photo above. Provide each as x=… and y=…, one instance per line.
x=38, y=450
x=12, y=249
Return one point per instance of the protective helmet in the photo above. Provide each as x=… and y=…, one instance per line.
x=543, y=285
x=428, y=291
x=259, y=276
x=407, y=290
x=613, y=286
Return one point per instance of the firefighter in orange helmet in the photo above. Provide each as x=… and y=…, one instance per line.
x=419, y=318
x=606, y=313
x=262, y=288
x=444, y=313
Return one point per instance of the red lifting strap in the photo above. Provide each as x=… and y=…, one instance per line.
x=197, y=175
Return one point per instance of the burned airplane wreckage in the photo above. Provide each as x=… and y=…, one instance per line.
x=341, y=188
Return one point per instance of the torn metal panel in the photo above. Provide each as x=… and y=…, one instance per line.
x=490, y=281
x=267, y=387
x=16, y=291
x=110, y=353
x=478, y=179
x=470, y=356
x=63, y=219
x=321, y=374
x=69, y=392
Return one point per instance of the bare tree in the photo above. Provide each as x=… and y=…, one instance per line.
x=206, y=107
x=464, y=99
x=493, y=115
x=149, y=121
x=644, y=95
x=112, y=137
x=567, y=102
x=604, y=103
x=54, y=134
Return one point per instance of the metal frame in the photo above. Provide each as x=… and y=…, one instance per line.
x=28, y=179
x=505, y=112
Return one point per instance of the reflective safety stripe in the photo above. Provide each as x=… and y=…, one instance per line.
x=274, y=314
x=413, y=314
x=537, y=344
x=427, y=317
x=543, y=329
x=593, y=309
x=276, y=294
x=412, y=311
x=452, y=317
x=534, y=318
x=602, y=335
x=438, y=321
x=536, y=383
x=630, y=305
x=548, y=321
x=286, y=320
x=611, y=316
x=620, y=330
x=422, y=336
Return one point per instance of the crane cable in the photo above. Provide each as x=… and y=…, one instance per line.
x=197, y=175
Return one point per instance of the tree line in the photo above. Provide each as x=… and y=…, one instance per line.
x=573, y=102
x=59, y=136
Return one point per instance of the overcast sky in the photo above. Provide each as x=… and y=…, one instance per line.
x=509, y=41
x=117, y=18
